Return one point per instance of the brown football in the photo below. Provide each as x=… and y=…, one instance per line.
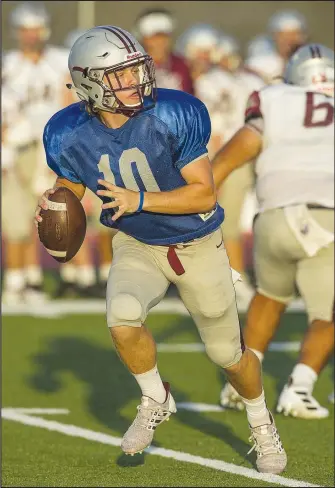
x=63, y=227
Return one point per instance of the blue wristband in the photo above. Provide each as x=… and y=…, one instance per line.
x=140, y=205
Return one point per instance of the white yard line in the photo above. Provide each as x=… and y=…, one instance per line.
x=44, y=411
x=288, y=346
x=74, y=431
x=58, y=308
x=199, y=407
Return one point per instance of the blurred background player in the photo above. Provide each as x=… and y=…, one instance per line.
x=34, y=74
x=288, y=30
x=197, y=44
x=294, y=231
x=154, y=28
x=225, y=89
x=262, y=58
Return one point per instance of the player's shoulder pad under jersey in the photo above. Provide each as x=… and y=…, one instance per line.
x=62, y=125
x=269, y=92
x=259, y=99
x=179, y=110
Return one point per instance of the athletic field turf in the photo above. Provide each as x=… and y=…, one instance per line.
x=67, y=400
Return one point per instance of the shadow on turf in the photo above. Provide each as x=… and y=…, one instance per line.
x=111, y=388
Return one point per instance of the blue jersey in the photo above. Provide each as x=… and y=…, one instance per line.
x=147, y=153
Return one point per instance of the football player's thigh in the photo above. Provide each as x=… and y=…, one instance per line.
x=17, y=208
x=135, y=283
x=208, y=293
x=231, y=196
x=315, y=275
x=276, y=252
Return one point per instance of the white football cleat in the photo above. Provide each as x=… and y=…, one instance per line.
x=150, y=414
x=271, y=456
x=229, y=398
x=298, y=401
x=331, y=398
x=34, y=295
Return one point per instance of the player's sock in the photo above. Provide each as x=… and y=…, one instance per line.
x=257, y=411
x=104, y=271
x=85, y=275
x=259, y=354
x=34, y=275
x=151, y=385
x=303, y=375
x=68, y=273
x=14, y=279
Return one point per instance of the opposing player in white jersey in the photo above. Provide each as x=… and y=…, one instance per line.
x=262, y=58
x=289, y=128
x=35, y=73
x=225, y=90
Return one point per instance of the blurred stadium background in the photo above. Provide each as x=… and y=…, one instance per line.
x=241, y=19
x=56, y=353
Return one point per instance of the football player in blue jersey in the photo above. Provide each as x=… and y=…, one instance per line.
x=142, y=150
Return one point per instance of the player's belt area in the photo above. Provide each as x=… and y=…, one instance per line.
x=173, y=258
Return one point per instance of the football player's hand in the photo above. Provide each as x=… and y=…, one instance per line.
x=127, y=201
x=42, y=204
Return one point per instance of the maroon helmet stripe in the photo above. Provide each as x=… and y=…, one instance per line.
x=315, y=51
x=118, y=35
x=77, y=68
x=127, y=37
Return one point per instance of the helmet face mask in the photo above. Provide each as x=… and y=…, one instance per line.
x=100, y=81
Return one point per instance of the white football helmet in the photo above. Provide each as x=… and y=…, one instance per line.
x=30, y=15
x=312, y=66
x=199, y=36
x=106, y=50
x=72, y=37
x=227, y=47
x=260, y=46
x=154, y=21
x=287, y=20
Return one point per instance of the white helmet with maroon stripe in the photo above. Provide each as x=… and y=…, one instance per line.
x=312, y=66
x=107, y=50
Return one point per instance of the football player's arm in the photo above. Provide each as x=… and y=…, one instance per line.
x=77, y=188
x=197, y=196
x=242, y=148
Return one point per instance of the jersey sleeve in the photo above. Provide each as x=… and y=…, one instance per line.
x=192, y=142
x=58, y=160
x=253, y=114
